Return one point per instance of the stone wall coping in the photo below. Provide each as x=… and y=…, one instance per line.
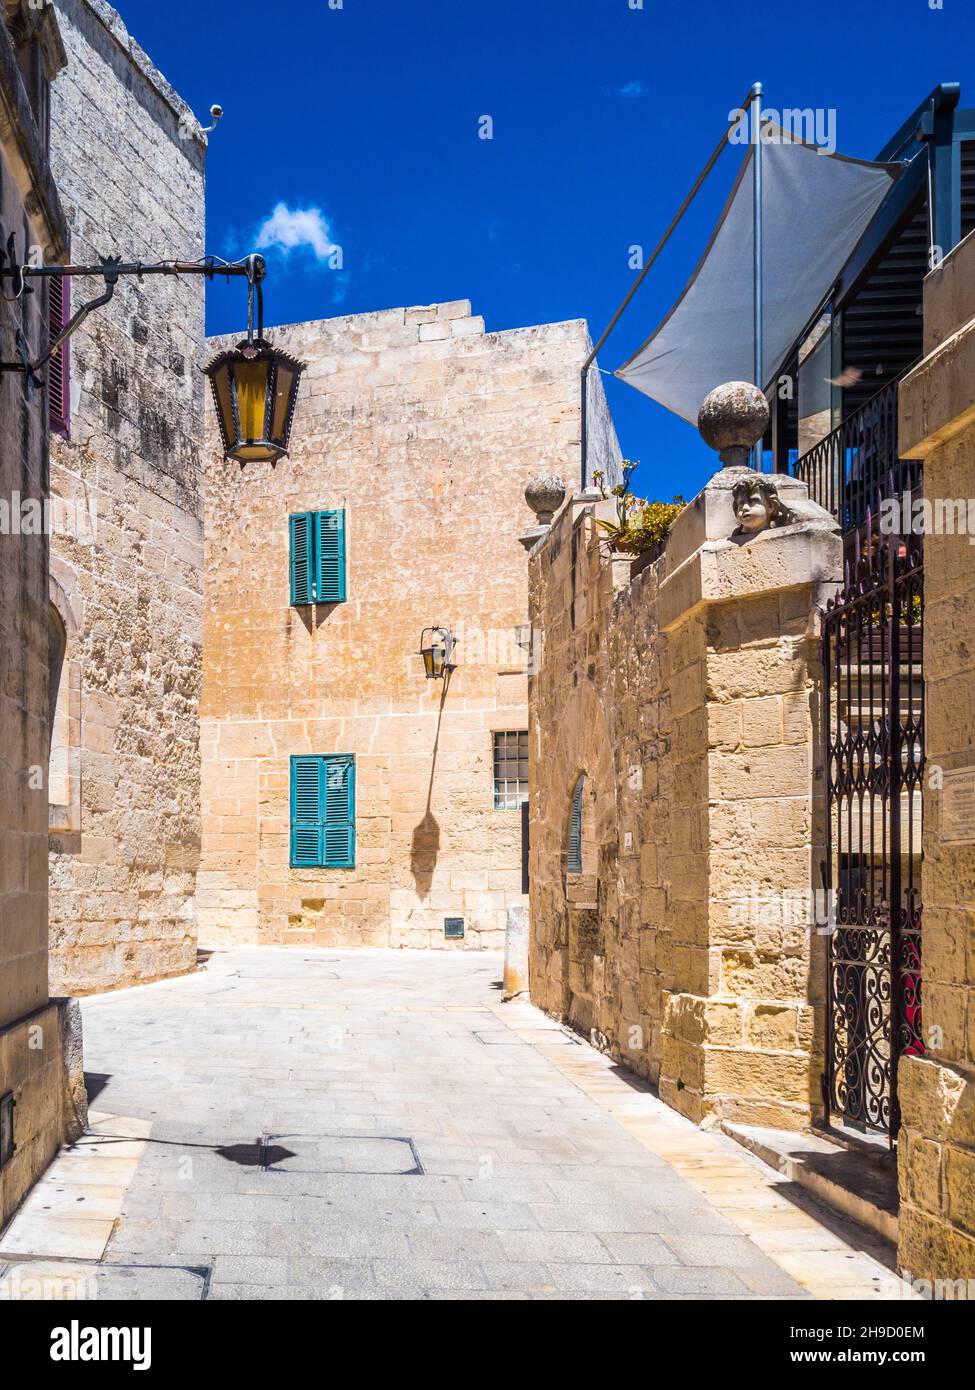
x=722, y=571
x=29, y=165
x=710, y=515
x=708, y=560
x=113, y=22
x=936, y=400
x=949, y=294
x=397, y=316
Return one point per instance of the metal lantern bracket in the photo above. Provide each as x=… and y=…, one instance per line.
x=110, y=268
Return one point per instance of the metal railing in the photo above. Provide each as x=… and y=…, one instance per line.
x=854, y=468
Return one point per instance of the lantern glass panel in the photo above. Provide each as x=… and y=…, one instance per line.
x=284, y=384
x=251, y=380
x=225, y=402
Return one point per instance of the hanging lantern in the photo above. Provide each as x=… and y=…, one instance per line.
x=255, y=386
x=254, y=389
x=437, y=649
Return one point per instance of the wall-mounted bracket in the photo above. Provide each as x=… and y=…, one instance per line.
x=17, y=276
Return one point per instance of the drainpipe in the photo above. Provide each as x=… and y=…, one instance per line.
x=936, y=129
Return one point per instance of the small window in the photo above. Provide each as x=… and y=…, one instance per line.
x=323, y=811
x=317, y=542
x=573, y=854
x=58, y=368
x=510, y=770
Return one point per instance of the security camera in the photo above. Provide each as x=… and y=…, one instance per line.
x=216, y=112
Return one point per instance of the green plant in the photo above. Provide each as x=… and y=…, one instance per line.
x=640, y=525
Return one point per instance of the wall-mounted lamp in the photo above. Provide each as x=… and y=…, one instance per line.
x=437, y=650
x=254, y=387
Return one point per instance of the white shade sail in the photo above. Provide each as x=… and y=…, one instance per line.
x=815, y=208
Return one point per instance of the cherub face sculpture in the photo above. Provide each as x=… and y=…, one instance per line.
x=757, y=505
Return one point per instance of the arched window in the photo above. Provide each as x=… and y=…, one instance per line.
x=64, y=716
x=58, y=780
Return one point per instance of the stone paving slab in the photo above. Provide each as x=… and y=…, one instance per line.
x=543, y=1173
x=831, y=1258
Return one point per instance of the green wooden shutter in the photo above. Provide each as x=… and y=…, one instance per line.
x=330, y=557
x=301, y=530
x=339, y=830
x=573, y=862
x=306, y=812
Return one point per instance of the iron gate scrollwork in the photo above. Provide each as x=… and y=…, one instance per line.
x=873, y=725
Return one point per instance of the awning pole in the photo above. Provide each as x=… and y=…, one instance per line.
x=721, y=145
x=756, y=122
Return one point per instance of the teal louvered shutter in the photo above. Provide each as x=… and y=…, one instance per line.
x=330, y=557
x=306, y=812
x=301, y=531
x=339, y=830
x=574, y=852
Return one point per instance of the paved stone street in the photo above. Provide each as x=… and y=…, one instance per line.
x=377, y=1124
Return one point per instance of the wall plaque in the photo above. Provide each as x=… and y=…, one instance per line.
x=958, y=807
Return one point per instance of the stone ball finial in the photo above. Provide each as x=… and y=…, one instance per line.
x=545, y=494
x=732, y=418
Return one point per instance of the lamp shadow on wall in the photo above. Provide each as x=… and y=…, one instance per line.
x=425, y=844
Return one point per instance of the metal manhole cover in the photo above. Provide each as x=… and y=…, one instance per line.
x=83, y=1281
x=367, y=1155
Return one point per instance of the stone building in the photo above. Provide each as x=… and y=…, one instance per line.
x=127, y=559
x=679, y=813
x=415, y=435
x=937, y=1090
x=41, y=1097
x=741, y=747
x=672, y=758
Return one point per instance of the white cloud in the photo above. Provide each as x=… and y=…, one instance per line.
x=293, y=228
x=631, y=89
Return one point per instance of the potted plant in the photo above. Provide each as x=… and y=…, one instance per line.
x=641, y=526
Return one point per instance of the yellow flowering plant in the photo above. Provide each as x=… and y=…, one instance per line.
x=640, y=525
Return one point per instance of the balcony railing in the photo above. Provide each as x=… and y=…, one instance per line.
x=854, y=468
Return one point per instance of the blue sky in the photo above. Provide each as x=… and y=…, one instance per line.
x=603, y=115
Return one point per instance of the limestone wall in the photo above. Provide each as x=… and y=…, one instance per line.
x=30, y=1046
x=684, y=697
x=425, y=429
x=23, y=622
x=127, y=564
x=936, y=1148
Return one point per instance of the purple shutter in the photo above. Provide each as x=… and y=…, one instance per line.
x=58, y=368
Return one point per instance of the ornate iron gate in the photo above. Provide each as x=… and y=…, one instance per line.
x=873, y=739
